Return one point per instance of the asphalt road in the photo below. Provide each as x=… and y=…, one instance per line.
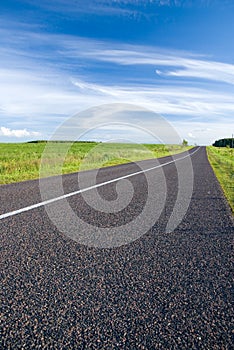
x=161, y=291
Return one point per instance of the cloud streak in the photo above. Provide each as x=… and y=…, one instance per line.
x=199, y=69
x=126, y=8
x=182, y=64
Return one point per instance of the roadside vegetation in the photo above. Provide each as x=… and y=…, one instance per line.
x=21, y=161
x=222, y=161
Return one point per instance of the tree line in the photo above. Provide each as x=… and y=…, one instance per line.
x=224, y=143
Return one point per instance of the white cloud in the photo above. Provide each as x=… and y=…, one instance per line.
x=210, y=70
x=122, y=8
x=128, y=8
x=201, y=131
x=184, y=64
x=38, y=94
x=18, y=133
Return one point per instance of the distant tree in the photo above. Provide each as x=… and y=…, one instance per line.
x=185, y=142
x=224, y=143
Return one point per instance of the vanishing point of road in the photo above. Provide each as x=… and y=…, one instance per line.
x=161, y=291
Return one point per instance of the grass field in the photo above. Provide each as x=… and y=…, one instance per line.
x=222, y=161
x=22, y=161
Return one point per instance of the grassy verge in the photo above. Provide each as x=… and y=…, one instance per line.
x=21, y=161
x=222, y=161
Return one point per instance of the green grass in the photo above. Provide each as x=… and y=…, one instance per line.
x=222, y=161
x=22, y=161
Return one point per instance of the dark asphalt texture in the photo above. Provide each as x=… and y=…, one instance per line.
x=163, y=291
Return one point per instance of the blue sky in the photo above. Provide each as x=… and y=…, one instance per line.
x=174, y=57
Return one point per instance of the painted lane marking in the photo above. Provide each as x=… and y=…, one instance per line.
x=49, y=201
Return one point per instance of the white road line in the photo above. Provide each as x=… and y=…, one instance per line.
x=41, y=204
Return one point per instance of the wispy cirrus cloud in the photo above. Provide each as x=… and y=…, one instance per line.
x=181, y=64
x=83, y=52
x=199, y=69
x=133, y=10
x=128, y=8
x=36, y=93
x=121, y=7
x=167, y=63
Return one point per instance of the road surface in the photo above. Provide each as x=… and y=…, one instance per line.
x=161, y=291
